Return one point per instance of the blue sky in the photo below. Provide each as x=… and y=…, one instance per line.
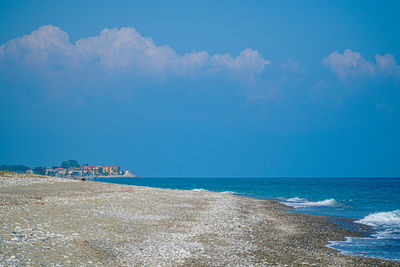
x=179, y=88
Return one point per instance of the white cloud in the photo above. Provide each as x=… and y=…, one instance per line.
x=43, y=46
x=119, y=50
x=387, y=65
x=351, y=64
x=248, y=62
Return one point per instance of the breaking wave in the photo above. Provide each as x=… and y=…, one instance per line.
x=298, y=202
x=228, y=192
x=382, y=219
x=200, y=190
x=204, y=190
x=381, y=244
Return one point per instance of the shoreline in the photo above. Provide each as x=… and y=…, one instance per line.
x=341, y=222
x=116, y=176
x=55, y=220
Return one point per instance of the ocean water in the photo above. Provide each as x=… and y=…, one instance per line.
x=369, y=203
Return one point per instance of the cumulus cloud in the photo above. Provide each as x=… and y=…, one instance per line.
x=351, y=64
x=45, y=46
x=122, y=50
x=248, y=62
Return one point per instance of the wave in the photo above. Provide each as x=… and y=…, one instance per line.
x=382, y=219
x=380, y=244
x=390, y=233
x=200, y=190
x=228, y=192
x=298, y=202
x=296, y=199
x=204, y=190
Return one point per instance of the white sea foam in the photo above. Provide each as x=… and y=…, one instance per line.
x=382, y=219
x=200, y=190
x=229, y=192
x=204, y=190
x=390, y=233
x=296, y=199
x=298, y=202
x=365, y=246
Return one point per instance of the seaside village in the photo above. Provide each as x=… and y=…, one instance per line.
x=88, y=171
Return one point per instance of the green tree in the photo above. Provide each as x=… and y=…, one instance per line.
x=39, y=170
x=69, y=164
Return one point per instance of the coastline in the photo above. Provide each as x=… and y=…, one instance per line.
x=55, y=220
x=115, y=176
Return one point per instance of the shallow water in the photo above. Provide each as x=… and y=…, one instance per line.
x=374, y=202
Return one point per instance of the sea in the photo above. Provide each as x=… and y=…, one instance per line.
x=371, y=204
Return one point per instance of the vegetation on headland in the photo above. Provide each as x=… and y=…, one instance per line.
x=10, y=174
x=14, y=168
x=39, y=170
x=70, y=164
x=69, y=168
x=7, y=173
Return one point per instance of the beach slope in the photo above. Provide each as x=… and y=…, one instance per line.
x=47, y=221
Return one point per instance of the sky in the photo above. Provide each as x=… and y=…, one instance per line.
x=203, y=88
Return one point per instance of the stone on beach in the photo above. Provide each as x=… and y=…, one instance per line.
x=53, y=221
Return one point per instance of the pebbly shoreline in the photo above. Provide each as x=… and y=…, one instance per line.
x=60, y=222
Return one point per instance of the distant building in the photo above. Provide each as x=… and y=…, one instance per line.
x=111, y=170
x=50, y=172
x=74, y=171
x=86, y=171
x=128, y=173
x=60, y=172
x=91, y=170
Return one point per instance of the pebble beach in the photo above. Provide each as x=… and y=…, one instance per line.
x=48, y=221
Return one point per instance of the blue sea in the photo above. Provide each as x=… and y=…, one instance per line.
x=371, y=203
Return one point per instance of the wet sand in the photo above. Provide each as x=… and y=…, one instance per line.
x=53, y=221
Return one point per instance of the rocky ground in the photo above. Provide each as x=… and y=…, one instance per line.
x=54, y=222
